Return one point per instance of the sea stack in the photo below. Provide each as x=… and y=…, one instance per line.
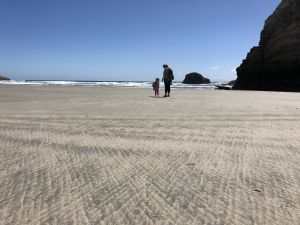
x=195, y=78
x=274, y=65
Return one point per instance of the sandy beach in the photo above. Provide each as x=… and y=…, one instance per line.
x=103, y=155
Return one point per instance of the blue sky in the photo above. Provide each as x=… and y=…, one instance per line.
x=127, y=39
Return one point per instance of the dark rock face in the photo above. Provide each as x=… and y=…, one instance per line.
x=3, y=78
x=195, y=78
x=231, y=83
x=275, y=63
x=226, y=86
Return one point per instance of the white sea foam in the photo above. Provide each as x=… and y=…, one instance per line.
x=105, y=83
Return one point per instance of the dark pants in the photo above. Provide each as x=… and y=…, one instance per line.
x=167, y=87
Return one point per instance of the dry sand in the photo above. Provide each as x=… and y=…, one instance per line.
x=88, y=155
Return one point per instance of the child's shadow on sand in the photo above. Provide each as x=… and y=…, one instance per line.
x=154, y=97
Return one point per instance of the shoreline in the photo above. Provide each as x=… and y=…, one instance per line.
x=147, y=88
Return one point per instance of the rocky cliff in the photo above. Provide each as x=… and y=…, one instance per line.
x=275, y=63
x=195, y=78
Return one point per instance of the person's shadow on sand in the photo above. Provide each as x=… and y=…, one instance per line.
x=154, y=97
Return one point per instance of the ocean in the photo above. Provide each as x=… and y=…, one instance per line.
x=137, y=84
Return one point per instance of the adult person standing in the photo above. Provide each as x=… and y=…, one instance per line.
x=167, y=79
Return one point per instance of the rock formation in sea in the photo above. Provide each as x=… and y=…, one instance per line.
x=195, y=78
x=275, y=63
x=3, y=78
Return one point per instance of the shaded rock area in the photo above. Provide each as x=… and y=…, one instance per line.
x=275, y=64
x=231, y=83
x=226, y=86
x=195, y=78
x=3, y=78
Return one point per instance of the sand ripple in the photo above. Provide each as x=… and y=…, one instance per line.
x=201, y=157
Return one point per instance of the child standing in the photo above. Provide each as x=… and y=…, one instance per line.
x=155, y=86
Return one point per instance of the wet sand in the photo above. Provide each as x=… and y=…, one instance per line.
x=91, y=155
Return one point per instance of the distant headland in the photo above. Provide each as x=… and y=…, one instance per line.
x=3, y=78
